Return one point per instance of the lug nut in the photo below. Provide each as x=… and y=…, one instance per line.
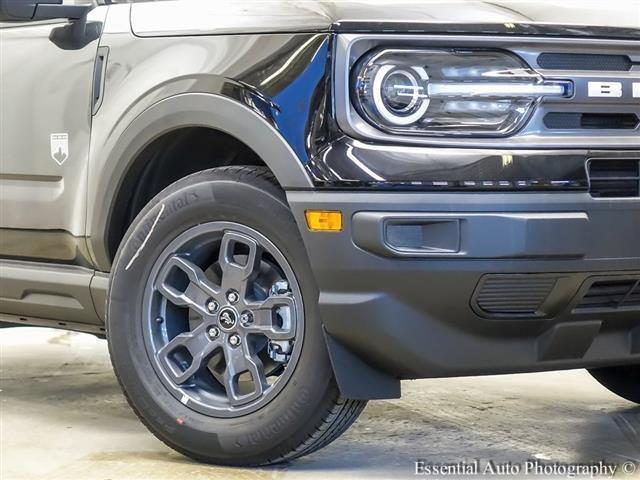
x=212, y=306
x=232, y=296
x=234, y=340
x=213, y=332
x=246, y=318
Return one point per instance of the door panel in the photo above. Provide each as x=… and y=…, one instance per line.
x=46, y=72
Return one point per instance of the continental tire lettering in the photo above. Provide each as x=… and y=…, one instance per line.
x=179, y=203
x=267, y=433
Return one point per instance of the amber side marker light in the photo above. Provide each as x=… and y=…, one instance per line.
x=324, y=220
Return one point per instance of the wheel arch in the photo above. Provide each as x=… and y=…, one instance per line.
x=187, y=110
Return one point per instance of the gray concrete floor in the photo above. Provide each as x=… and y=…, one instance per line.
x=63, y=417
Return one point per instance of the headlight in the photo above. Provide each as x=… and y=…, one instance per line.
x=448, y=92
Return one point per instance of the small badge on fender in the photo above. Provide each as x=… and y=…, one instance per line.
x=59, y=147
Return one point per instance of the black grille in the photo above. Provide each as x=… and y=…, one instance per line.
x=590, y=121
x=612, y=294
x=583, y=61
x=514, y=294
x=610, y=178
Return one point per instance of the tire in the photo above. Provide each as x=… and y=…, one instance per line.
x=306, y=413
x=623, y=380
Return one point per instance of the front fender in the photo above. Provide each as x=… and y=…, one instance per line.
x=187, y=110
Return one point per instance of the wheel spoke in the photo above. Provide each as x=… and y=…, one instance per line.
x=234, y=275
x=240, y=360
x=196, y=293
x=197, y=344
x=274, y=318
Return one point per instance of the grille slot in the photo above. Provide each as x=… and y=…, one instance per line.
x=585, y=61
x=514, y=294
x=590, y=121
x=610, y=178
x=611, y=295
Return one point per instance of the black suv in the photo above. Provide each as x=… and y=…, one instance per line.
x=276, y=211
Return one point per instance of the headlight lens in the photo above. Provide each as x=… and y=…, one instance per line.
x=448, y=91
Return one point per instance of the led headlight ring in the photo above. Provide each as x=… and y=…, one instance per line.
x=418, y=96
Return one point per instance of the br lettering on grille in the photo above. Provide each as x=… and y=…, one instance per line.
x=611, y=89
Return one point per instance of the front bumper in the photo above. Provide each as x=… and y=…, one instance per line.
x=448, y=284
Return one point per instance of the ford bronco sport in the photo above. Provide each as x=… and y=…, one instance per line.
x=276, y=211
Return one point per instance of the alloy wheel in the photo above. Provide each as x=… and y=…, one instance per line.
x=223, y=319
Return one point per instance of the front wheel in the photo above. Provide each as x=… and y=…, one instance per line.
x=623, y=380
x=213, y=327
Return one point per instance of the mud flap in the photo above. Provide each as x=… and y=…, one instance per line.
x=356, y=379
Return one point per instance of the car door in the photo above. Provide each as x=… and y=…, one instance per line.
x=46, y=77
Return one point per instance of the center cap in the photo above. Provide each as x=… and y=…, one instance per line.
x=227, y=318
